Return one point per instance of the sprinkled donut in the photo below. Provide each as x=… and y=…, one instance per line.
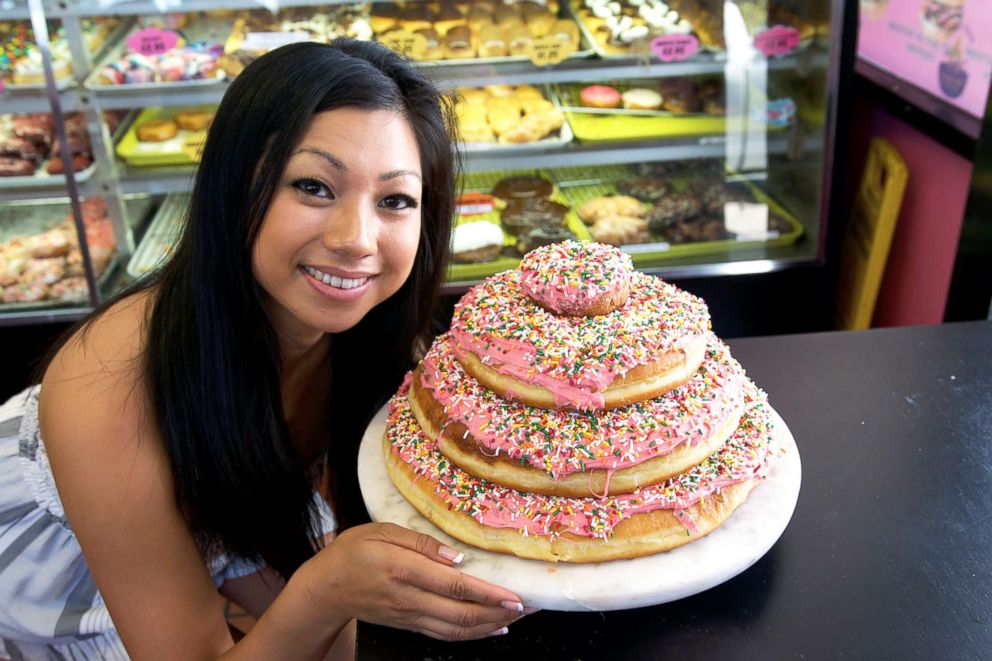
x=653, y=519
x=577, y=279
x=522, y=351
x=565, y=453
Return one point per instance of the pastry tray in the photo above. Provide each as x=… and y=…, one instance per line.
x=41, y=178
x=641, y=50
x=61, y=84
x=163, y=232
x=167, y=152
x=579, y=185
x=37, y=216
x=565, y=136
x=594, y=125
x=483, y=182
x=199, y=29
x=584, y=50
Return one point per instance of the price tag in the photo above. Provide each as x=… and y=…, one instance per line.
x=674, y=47
x=749, y=221
x=777, y=40
x=549, y=50
x=152, y=41
x=266, y=41
x=406, y=43
x=193, y=146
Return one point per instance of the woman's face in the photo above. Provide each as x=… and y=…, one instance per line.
x=341, y=233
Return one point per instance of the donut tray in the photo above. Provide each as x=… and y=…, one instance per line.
x=200, y=28
x=167, y=152
x=163, y=231
x=561, y=138
x=609, y=125
x=620, y=584
x=484, y=182
x=41, y=178
x=579, y=185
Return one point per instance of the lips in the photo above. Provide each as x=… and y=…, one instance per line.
x=336, y=281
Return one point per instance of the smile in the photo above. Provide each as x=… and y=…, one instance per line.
x=333, y=280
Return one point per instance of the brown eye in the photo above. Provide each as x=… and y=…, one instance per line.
x=398, y=202
x=313, y=188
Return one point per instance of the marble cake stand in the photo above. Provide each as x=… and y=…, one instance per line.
x=727, y=551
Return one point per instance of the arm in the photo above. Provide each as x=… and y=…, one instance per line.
x=116, y=486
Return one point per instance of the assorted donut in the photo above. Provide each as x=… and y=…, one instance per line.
x=48, y=265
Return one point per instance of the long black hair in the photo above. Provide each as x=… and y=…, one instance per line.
x=212, y=357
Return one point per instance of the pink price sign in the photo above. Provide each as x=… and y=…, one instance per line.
x=674, y=47
x=777, y=40
x=152, y=41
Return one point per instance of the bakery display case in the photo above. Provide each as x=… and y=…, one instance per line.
x=695, y=135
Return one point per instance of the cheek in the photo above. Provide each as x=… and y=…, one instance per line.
x=408, y=242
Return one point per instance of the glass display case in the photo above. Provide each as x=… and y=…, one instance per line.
x=696, y=135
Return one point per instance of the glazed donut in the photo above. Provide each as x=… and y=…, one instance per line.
x=554, y=528
x=610, y=205
x=157, y=130
x=515, y=347
x=604, y=452
x=577, y=279
x=193, y=120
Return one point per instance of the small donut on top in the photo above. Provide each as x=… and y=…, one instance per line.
x=577, y=279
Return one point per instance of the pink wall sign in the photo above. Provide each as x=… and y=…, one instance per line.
x=940, y=46
x=674, y=47
x=152, y=41
x=777, y=40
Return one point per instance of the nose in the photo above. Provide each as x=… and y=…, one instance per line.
x=351, y=228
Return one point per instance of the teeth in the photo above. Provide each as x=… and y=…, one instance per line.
x=334, y=281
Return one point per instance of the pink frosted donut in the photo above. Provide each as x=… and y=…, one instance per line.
x=577, y=279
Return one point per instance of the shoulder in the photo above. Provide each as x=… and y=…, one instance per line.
x=94, y=412
x=96, y=380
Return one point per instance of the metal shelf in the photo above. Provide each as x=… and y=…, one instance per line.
x=462, y=75
x=36, y=100
x=61, y=8
x=179, y=179
x=43, y=315
x=749, y=262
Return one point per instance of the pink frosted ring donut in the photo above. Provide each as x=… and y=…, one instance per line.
x=577, y=279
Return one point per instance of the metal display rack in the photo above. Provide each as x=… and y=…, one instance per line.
x=803, y=147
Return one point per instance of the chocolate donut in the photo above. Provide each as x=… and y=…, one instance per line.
x=523, y=187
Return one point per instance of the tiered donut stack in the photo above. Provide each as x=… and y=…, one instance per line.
x=578, y=410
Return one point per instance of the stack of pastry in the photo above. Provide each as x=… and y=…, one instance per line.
x=456, y=30
x=577, y=411
x=502, y=113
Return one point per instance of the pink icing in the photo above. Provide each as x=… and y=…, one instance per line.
x=575, y=358
x=569, y=276
x=581, y=441
x=743, y=457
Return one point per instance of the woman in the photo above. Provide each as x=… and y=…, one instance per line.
x=186, y=423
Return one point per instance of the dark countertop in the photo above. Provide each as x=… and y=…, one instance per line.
x=889, y=552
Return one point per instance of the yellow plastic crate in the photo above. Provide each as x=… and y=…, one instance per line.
x=868, y=236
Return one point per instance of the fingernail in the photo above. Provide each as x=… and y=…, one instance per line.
x=512, y=605
x=531, y=611
x=449, y=553
x=501, y=632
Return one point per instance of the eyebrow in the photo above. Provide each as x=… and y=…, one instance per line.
x=341, y=167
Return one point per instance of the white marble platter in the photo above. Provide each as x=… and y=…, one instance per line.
x=724, y=553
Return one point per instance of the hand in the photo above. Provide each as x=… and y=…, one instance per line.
x=384, y=574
